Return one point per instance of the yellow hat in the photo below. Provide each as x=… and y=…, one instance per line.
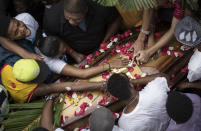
x=26, y=70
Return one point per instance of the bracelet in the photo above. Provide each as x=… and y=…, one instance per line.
x=47, y=98
x=146, y=32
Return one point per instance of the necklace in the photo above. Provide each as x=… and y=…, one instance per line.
x=131, y=101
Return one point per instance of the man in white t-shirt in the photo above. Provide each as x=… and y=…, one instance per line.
x=188, y=32
x=145, y=110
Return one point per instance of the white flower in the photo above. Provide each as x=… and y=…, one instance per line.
x=68, y=88
x=171, y=48
x=176, y=54
x=115, y=39
x=101, y=50
x=168, y=52
x=110, y=44
x=86, y=66
x=118, y=51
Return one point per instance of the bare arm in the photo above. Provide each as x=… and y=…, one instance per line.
x=47, y=116
x=45, y=89
x=147, y=79
x=77, y=56
x=112, y=28
x=86, y=73
x=13, y=47
x=146, y=21
x=144, y=55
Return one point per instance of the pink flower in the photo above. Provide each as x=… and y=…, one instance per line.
x=113, y=52
x=173, y=75
x=90, y=96
x=81, y=66
x=157, y=35
x=66, y=118
x=129, y=44
x=84, y=105
x=180, y=54
x=130, y=69
x=114, y=98
x=137, y=76
x=70, y=50
x=106, y=61
x=97, y=53
x=118, y=47
x=138, y=88
x=103, y=101
x=89, y=56
x=105, y=75
x=84, y=94
x=138, y=30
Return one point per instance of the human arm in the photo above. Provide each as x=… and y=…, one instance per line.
x=112, y=28
x=13, y=47
x=77, y=56
x=147, y=79
x=146, y=22
x=86, y=73
x=45, y=89
x=47, y=116
x=144, y=55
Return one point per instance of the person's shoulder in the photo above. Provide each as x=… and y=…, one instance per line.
x=99, y=8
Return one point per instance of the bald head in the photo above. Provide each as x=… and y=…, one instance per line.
x=101, y=120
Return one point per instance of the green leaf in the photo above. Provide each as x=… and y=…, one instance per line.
x=22, y=113
x=27, y=106
x=107, y=2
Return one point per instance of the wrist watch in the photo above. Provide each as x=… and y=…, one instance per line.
x=47, y=98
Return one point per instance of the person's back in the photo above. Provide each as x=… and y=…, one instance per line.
x=150, y=113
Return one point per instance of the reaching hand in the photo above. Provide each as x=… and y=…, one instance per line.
x=119, y=63
x=77, y=56
x=33, y=56
x=142, y=57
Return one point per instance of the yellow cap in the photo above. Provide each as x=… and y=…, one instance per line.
x=26, y=70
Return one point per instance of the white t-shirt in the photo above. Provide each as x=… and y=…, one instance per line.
x=31, y=23
x=194, y=67
x=55, y=64
x=150, y=112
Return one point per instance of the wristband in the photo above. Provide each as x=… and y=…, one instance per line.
x=146, y=32
x=47, y=98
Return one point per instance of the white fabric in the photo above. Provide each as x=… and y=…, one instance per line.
x=59, y=129
x=55, y=64
x=194, y=67
x=30, y=22
x=150, y=112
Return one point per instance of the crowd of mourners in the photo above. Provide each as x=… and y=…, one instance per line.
x=41, y=38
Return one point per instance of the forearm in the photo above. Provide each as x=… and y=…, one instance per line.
x=112, y=29
x=147, y=20
x=44, y=89
x=12, y=46
x=47, y=116
x=69, y=70
x=167, y=37
x=147, y=79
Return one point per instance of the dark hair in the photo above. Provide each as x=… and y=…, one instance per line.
x=119, y=86
x=75, y=6
x=49, y=46
x=179, y=107
x=40, y=129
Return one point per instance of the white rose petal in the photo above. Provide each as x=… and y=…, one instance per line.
x=86, y=66
x=171, y=48
x=115, y=39
x=101, y=50
x=182, y=48
x=68, y=88
x=168, y=52
x=74, y=96
x=143, y=75
x=109, y=45
x=118, y=51
x=176, y=54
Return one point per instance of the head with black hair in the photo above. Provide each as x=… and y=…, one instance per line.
x=120, y=87
x=51, y=46
x=179, y=107
x=75, y=11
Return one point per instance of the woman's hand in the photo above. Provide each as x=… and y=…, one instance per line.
x=119, y=63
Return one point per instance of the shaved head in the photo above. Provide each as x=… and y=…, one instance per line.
x=75, y=6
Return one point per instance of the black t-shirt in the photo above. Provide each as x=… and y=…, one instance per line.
x=85, y=42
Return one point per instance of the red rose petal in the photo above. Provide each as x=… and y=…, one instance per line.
x=90, y=96
x=130, y=69
x=157, y=35
x=137, y=76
